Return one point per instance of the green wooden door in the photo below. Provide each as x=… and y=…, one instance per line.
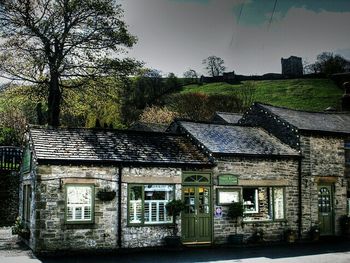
x=325, y=209
x=196, y=219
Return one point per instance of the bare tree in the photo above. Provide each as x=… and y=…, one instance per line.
x=214, y=65
x=192, y=75
x=62, y=44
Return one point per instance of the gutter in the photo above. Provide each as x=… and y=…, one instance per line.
x=119, y=229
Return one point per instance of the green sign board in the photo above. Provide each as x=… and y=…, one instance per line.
x=227, y=179
x=26, y=160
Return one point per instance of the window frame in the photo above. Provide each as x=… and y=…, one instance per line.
x=227, y=190
x=72, y=222
x=143, y=222
x=271, y=204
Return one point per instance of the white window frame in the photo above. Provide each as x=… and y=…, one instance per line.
x=87, y=207
x=149, y=212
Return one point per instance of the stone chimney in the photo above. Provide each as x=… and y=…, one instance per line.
x=346, y=97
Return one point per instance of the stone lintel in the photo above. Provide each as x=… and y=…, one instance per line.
x=282, y=182
x=152, y=180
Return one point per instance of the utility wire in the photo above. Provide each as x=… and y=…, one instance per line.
x=238, y=20
x=272, y=14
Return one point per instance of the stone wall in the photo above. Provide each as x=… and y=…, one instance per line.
x=9, y=184
x=49, y=232
x=147, y=236
x=258, y=172
x=323, y=162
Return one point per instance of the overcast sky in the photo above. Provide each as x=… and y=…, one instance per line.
x=174, y=35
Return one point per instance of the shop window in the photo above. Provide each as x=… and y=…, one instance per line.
x=27, y=199
x=147, y=204
x=80, y=203
x=250, y=200
x=347, y=152
x=263, y=203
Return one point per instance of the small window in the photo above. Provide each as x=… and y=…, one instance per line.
x=27, y=199
x=147, y=204
x=79, y=203
x=263, y=203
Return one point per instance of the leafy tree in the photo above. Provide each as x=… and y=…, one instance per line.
x=214, y=65
x=171, y=83
x=327, y=63
x=156, y=114
x=60, y=44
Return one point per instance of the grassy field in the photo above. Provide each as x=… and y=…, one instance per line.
x=303, y=94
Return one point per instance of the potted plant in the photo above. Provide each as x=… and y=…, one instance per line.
x=344, y=222
x=235, y=212
x=290, y=235
x=315, y=232
x=106, y=194
x=20, y=229
x=174, y=209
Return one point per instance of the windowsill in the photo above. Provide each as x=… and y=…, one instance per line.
x=150, y=225
x=79, y=222
x=263, y=221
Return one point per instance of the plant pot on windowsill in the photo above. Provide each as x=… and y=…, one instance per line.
x=106, y=195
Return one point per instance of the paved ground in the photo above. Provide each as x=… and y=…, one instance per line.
x=335, y=251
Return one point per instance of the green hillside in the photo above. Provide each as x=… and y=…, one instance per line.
x=303, y=94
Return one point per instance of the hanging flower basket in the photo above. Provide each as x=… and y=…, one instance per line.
x=106, y=195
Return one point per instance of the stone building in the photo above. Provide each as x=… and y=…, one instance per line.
x=323, y=140
x=88, y=189
x=292, y=66
x=102, y=189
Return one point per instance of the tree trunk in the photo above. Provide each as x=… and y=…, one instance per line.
x=54, y=101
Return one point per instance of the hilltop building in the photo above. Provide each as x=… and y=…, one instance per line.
x=292, y=66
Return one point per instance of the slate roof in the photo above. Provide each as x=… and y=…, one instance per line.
x=313, y=121
x=90, y=145
x=236, y=140
x=227, y=117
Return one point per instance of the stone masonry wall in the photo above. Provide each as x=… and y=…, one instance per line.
x=49, y=228
x=259, y=173
x=147, y=236
x=323, y=162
